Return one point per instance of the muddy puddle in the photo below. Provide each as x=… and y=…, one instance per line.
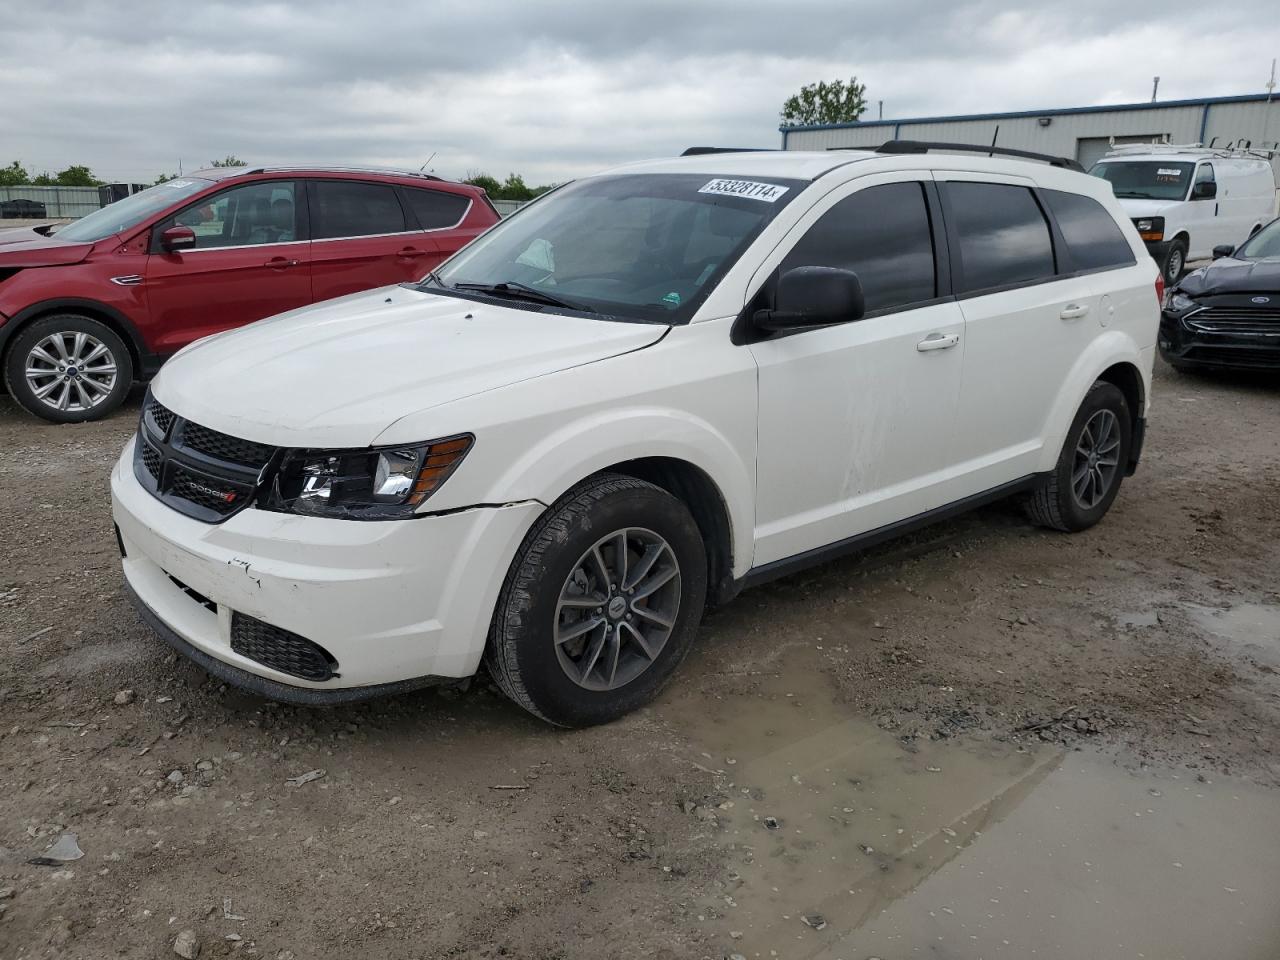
x=843, y=842
x=1250, y=629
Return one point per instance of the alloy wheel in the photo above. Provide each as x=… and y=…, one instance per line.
x=1097, y=459
x=71, y=371
x=617, y=609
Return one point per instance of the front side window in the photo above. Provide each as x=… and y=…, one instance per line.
x=638, y=246
x=244, y=216
x=1093, y=237
x=1146, y=179
x=1004, y=238
x=882, y=234
x=350, y=208
x=132, y=210
x=1204, y=174
x=435, y=209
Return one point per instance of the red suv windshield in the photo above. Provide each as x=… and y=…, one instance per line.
x=131, y=211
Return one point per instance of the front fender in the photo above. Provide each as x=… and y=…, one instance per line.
x=1109, y=349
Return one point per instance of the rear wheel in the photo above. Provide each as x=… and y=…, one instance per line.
x=1087, y=476
x=601, y=603
x=68, y=368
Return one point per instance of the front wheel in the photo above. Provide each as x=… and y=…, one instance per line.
x=1087, y=476
x=68, y=368
x=601, y=603
x=1175, y=261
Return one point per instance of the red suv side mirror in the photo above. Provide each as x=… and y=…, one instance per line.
x=177, y=238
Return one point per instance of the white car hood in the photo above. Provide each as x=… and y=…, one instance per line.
x=1137, y=207
x=339, y=373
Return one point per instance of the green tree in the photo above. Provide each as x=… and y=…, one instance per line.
x=513, y=188
x=14, y=175
x=77, y=175
x=822, y=102
x=165, y=178
x=231, y=160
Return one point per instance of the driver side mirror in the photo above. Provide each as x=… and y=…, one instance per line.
x=1204, y=190
x=176, y=239
x=812, y=297
x=1223, y=250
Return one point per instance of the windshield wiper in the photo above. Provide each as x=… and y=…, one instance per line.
x=521, y=291
x=1132, y=195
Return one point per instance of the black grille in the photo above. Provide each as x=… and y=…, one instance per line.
x=1235, y=356
x=161, y=416
x=1237, y=315
x=151, y=459
x=208, y=492
x=280, y=650
x=219, y=446
x=194, y=469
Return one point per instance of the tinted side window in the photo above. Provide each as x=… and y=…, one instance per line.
x=881, y=234
x=243, y=216
x=348, y=208
x=1004, y=238
x=436, y=209
x=1204, y=174
x=1094, y=239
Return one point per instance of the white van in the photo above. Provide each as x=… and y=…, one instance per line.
x=1187, y=200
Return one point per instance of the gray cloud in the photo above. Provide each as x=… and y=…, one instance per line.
x=557, y=89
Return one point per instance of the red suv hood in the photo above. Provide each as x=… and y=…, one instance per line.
x=23, y=247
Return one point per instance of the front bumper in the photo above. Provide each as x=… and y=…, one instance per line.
x=1183, y=344
x=394, y=602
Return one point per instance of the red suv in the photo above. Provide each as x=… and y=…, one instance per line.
x=86, y=310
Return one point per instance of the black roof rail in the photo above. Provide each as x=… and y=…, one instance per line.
x=699, y=151
x=924, y=146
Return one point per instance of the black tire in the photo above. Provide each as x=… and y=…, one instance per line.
x=1175, y=262
x=101, y=402
x=1055, y=504
x=522, y=654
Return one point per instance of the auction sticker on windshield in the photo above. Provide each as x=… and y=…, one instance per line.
x=751, y=189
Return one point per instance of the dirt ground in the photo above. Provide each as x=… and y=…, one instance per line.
x=979, y=653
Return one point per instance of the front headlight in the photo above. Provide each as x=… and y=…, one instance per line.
x=370, y=484
x=1179, y=302
x=1150, y=228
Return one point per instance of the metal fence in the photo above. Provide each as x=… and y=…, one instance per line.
x=506, y=208
x=59, y=202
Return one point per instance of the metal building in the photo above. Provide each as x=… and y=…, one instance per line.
x=1084, y=133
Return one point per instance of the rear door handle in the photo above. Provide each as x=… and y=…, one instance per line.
x=1074, y=311
x=280, y=263
x=938, y=341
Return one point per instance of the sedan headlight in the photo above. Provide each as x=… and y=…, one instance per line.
x=1150, y=228
x=370, y=484
x=1179, y=302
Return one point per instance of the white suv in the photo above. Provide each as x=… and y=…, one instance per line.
x=644, y=392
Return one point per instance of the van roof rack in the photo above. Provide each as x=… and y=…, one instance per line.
x=699, y=151
x=925, y=146
x=1233, y=149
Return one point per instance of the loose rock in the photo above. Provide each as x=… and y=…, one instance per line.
x=124, y=698
x=186, y=945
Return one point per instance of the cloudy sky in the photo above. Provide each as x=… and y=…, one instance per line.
x=553, y=90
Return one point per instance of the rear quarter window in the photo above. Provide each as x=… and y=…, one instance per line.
x=1093, y=238
x=435, y=209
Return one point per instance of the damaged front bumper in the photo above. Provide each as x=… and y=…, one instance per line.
x=389, y=604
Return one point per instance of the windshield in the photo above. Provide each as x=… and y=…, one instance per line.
x=1146, y=179
x=131, y=211
x=642, y=246
x=1263, y=245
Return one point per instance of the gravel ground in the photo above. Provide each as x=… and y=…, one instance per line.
x=1152, y=638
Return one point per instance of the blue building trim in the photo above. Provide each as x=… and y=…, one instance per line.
x=1205, y=102
x=1204, y=122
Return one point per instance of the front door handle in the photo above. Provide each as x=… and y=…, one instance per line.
x=1074, y=311
x=938, y=341
x=410, y=252
x=281, y=263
